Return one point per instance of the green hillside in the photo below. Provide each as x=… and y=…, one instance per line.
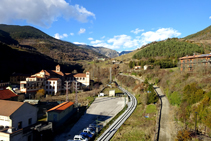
x=169, y=48
x=201, y=35
x=23, y=32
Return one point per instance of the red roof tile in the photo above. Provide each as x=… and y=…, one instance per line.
x=7, y=94
x=61, y=107
x=59, y=73
x=53, y=79
x=80, y=75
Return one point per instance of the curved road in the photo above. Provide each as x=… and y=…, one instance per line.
x=165, y=134
x=108, y=134
x=165, y=122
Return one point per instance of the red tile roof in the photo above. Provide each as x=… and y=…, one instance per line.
x=61, y=107
x=7, y=107
x=53, y=79
x=59, y=73
x=196, y=56
x=7, y=94
x=80, y=75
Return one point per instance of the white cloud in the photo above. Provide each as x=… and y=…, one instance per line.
x=104, y=45
x=137, y=30
x=79, y=43
x=96, y=42
x=160, y=34
x=57, y=36
x=90, y=39
x=126, y=41
x=82, y=30
x=71, y=34
x=41, y=12
x=103, y=37
x=210, y=17
x=65, y=35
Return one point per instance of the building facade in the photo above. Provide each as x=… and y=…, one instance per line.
x=52, y=81
x=15, y=118
x=189, y=63
x=60, y=113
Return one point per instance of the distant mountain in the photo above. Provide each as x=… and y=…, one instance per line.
x=30, y=38
x=102, y=50
x=124, y=52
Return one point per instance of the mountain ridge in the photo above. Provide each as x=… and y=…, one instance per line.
x=27, y=37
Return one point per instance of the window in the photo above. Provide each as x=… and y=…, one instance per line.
x=46, y=87
x=83, y=78
x=30, y=121
x=46, y=82
x=20, y=125
x=53, y=82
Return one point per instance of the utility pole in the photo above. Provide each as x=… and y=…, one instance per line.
x=67, y=87
x=195, y=122
x=110, y=75
x=76, y=95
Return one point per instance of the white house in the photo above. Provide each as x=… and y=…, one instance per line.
x=137, y=67
x=112, y=93
x=52, y=80
x=53, y=85
x=83, y=78
x=147, y=67
x=15, y=117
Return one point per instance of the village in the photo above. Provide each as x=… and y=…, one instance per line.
x=23, y=115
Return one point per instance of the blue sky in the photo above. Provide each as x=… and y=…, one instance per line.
x=115, y=24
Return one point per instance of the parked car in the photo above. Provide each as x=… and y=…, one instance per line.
x=86, y=135
x=87, y=130
x=80, y=138
x=96, y=126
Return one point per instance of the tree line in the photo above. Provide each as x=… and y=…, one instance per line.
x=163, y=63
x=169, y=48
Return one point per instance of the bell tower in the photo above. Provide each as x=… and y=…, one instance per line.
x=57, y=68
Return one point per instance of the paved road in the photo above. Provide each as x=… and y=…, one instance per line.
x=165, y=122
x=165, y=134
x=108, y=134
x=103, y=109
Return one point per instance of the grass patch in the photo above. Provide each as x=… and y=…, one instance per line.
x=106, y=90
x=151, y=109
x=137, y=126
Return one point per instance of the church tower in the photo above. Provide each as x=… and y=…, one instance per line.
x=57, y=68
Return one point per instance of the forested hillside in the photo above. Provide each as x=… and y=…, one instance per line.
x=27, y=62
x=169, y=48
x=204, y=34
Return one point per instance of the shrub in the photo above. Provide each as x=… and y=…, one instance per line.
x=175, y=98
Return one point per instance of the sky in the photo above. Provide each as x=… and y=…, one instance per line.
x=121, y=25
